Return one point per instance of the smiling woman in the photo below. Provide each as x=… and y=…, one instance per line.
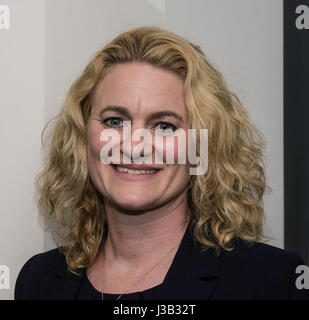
x=144, y=91
x=152, y=230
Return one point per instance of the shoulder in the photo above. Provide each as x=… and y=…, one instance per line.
x=271, y=271
x=44, y=262
x=39, y=267
x=263, y=254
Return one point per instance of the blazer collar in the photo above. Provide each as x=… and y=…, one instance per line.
x=191, y=275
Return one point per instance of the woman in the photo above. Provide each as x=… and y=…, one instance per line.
x=153, y=231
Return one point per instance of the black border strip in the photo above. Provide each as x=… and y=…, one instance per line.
x=296, y=131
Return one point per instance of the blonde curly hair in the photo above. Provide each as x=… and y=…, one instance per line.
x=225, y=203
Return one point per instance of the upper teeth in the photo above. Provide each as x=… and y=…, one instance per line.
x=126, y=170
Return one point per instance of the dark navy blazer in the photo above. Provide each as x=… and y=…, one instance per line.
x=257, y=271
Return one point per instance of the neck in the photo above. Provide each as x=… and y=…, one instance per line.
x=131, y=237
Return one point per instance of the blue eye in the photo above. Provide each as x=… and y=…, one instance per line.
x=165, y=127
x=113, y=122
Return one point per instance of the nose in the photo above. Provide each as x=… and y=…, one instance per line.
x=137, y=145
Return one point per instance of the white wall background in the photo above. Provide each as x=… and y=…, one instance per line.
x=21, y=120
x=51, y=41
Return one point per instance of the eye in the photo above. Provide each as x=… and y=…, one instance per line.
x=165, y=127
x=113, y=122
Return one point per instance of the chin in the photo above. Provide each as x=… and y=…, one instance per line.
x=135, y=203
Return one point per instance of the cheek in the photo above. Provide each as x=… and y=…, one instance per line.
x=175, y=150
x=178, y=178
x=103, y=148
x=94, y=144
x=180, y=154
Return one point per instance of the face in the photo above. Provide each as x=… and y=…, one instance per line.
x=152, y=99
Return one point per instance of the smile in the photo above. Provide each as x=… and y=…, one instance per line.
x=132, y=171
x=129, y=171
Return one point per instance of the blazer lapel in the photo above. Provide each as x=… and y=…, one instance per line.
x=64, y=284
x=70, y=286
x=192, y=275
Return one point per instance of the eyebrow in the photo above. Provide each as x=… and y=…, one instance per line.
x=153, y=116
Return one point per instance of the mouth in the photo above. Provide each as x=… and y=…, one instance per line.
x=132, y=170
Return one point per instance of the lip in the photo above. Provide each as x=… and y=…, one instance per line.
x=135, y=177
x=137, y=166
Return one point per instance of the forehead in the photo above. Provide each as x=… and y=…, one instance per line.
x=141, y=87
